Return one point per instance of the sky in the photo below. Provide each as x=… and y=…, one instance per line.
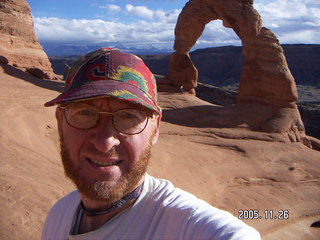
x=152, y=22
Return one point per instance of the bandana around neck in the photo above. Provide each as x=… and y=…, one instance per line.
x=118, y=204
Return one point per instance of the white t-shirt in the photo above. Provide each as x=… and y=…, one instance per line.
x=161, y=212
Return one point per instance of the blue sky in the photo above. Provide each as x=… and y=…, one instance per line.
x=93, y=9
x=152, y=22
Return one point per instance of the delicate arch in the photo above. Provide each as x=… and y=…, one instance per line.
x=265, y=75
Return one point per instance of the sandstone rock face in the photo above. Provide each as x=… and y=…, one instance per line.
x=18, y=42
x=266, y=79
x=265, y=73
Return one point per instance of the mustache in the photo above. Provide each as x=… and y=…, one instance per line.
x=112, y=153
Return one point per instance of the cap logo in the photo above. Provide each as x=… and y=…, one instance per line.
x=96, y=72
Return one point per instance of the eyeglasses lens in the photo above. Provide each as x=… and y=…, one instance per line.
x=82, y=116
x=126, y=121
x=130, y=121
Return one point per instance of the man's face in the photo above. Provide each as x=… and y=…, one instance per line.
x=104, y=164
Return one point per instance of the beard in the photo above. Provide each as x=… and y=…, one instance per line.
x=105, y=191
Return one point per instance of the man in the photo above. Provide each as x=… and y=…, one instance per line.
x=108, y=119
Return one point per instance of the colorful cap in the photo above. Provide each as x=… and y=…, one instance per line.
x=108, y=72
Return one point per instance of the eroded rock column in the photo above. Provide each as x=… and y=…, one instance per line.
x=266, y=77
x=190, y=25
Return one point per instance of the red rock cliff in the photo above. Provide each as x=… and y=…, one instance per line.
x=18, y=42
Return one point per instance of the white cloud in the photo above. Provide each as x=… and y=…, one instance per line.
x=167, y=17
x=154, y=15
x=111, y=8
x=289, y=15
x=93, y=31
x=293, y=21
x=140, y=11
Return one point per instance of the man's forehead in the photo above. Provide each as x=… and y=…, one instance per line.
x=111, y=103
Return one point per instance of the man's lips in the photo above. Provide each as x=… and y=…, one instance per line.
x=104, y=163
x=102, y=159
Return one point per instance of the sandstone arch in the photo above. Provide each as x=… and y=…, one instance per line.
x=265, y=79
x=265, y=74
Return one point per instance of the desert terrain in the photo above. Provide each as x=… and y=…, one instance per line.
x=251, y=157
x=231, y=168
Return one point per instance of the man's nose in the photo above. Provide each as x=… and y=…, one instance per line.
x=104, y=135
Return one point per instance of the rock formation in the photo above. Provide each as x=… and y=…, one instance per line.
x=221, y=156
x=265, y=75
x=18, y=42
x=266, y=81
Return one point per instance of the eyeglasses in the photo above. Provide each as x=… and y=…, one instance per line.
x=127, y=121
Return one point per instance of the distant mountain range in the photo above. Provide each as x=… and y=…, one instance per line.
x=219, y=66
x=65, y=49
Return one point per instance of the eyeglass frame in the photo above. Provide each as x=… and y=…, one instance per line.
x=148, y=115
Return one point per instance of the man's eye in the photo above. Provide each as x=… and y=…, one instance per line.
x=127, y=115
x=85, y=112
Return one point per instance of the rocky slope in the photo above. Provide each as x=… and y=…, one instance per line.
x=218, y=158
x=309, y=107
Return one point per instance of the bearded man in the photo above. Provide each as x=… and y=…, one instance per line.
x=108, y=119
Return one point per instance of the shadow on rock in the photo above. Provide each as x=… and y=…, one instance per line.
x=48, y=84
x=256, y=117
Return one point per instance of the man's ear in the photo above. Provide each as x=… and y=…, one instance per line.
x=59, y=116
x=156, y=130
x=58, y=113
